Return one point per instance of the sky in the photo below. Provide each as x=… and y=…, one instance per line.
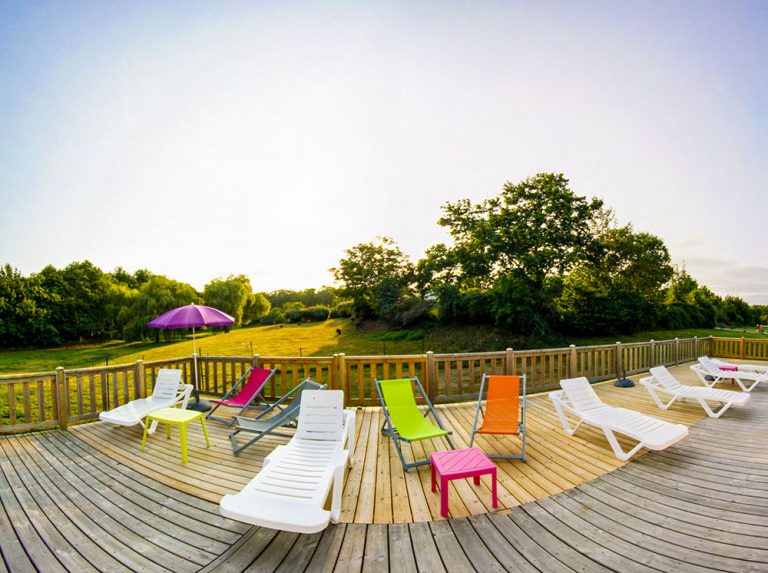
x=202, y=139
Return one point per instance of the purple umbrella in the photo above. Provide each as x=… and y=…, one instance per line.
x=193, y=316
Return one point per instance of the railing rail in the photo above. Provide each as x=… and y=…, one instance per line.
x=48, y=400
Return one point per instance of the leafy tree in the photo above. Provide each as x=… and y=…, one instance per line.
x=375, y=276
x=256, y=307
x=230, y=295
x=75, y=301
x=618, y=286
x=23, y=321
x=156, y=296
x=513, y=245
x=537, y=227
x=733, y=310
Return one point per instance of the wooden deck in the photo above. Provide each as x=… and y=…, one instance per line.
x=88, y=500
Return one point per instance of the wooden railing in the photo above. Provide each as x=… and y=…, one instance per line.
x=741, y=348
x=55, y=399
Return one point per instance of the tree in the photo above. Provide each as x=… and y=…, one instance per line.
x=75, y=301
x=538, y=227
x=513, y=245
x=375, y=276
x=156, y=296
x=617, y=287
x=256, y=307
x=229, y=295
x=23, y=321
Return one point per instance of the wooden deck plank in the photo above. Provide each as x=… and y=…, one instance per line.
x=352, y=548
x=203, y=517
x=279, y=548
x=327, y=552
x=425, y=551
x=401, y=557
x=451, y=551
x=479, y=555
x=301, y=553
x=505, y=553
x=25, y=532
x=242, y=553
x=79, y=531
x=150, y=547
x=376, y=556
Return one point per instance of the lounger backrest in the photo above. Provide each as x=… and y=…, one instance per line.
x=709, y=365
x=580, y=394
x=167, y=384
x=665, y=378
x=321, y=415
x=502, y=406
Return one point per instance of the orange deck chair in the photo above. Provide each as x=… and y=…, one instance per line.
x=504, y=410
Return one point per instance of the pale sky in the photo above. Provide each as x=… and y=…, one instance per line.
x=202, y=139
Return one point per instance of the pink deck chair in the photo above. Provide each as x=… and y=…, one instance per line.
x=245, y=393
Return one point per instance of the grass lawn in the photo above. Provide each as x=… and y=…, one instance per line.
x=316, y=339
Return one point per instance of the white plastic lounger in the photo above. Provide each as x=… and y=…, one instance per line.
x=661, y=380
x=167, y=393
x=290, y=491
x=578, y=398
x=755, y=368
x=707, y=367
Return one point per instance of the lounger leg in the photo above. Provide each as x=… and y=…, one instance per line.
x=659, y=403
x=564, y=420
x=338, y=485
x=617, y=447
x=711, y=413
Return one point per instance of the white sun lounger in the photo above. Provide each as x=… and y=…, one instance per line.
x=756, y=368
x=707, y=367
x=578, y=398
x=290, y=491
x=167, y=393
x=661, y=380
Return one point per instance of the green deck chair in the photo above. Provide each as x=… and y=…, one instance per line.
x=404, y=421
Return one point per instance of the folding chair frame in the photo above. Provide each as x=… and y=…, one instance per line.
x=280, y=404
x=253, y=403
x=521, y=428
x=389, y=428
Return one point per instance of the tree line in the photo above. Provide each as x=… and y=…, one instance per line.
x=82, y=303
x=535, y=259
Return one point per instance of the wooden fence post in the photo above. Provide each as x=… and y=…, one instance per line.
x=431, y=377
x=573, y=366
x=341, y=374
x=61, y=390
x=695, y=347
x=652, y=353
x=138, y=380
x=255, y=361
x=509, y=362
x=741, y=348
x=677, y=351
x=619, y=360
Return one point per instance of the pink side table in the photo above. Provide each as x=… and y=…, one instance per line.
x=729, y=368
x=455, y=464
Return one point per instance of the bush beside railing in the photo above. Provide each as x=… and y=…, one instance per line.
x=55, y=399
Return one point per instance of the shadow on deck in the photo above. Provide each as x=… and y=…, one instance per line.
x=88, y=500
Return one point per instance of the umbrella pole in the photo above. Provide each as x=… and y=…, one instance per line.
x=197, y=405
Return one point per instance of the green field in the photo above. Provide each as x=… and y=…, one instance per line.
x=316, y=339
